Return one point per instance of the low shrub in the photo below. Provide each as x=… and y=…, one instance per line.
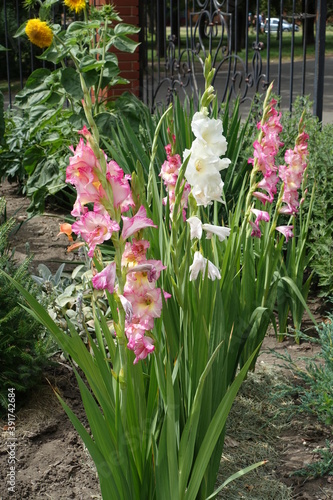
x=24, y=344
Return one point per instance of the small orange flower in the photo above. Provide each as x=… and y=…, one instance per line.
x=75, y=245
x=76, y=5
x=66, y=229
x=39, y=33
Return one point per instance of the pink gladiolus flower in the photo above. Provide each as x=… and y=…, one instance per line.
x=263, y=197
x=265, y=152
x=132, y=225
x=122, y=196
x=94, y=229
x=85, y=132
x=82, y=173
x=146, y=303
x=286, y=231
x=144, y=275
x=169, y=174
x=260, y=215
x=256, y=232
x=78, y=209
x=134, y=252
x=138, y=342
x=146, y=268
x=141, y=296
x=142, y=347
x=292, y=174
x=127, y=306
x=105, y=279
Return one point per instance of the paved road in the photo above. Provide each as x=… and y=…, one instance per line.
x=309, y=84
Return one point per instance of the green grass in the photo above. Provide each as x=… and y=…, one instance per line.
x=286, y=46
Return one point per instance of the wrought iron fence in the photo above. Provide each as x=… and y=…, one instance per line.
x=177, y=35
x=241, y=38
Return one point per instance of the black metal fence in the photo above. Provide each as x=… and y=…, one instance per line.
x=245, y=41
x=246, y=44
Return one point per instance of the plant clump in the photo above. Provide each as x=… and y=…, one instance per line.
x=23, y=344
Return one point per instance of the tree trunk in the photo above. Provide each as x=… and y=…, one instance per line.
x=239, y=23
x=309, y=23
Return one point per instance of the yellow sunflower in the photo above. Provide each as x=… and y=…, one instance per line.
x=39, y=33
x=76, y=5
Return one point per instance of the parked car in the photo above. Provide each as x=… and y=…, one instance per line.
x=274, y=25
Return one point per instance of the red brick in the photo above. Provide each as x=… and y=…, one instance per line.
x=128, y=63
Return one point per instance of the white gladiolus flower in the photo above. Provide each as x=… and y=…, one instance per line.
x=204, y=165
x=221, y=232
x=202, y=162
x=201, y=165
x=200, y=264
x=205, y=194
x=196, y=227
x=210, y=132
x=213, y=272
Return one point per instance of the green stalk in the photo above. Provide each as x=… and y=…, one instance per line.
x=97, y=91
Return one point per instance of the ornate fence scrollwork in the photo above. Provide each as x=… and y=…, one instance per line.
x=179, y=34
x=208, y=27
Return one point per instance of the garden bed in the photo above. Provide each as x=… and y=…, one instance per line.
x=52, y=461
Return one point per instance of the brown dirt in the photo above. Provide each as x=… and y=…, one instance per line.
x=52, y=462
x=38, y=235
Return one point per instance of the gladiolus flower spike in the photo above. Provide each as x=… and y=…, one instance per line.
x=138, y=295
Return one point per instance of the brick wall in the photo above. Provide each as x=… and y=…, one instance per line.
x=128, y=63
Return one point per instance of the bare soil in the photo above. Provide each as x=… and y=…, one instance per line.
x=51, y=461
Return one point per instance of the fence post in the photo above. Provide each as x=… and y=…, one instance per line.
x=318, y=90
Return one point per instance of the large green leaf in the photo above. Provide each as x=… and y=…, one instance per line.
x=235, y=476
x=88, y=63
x=37, y=78
x=124, y=44
x=82, y=25
x=125, y=29
x=70, y=80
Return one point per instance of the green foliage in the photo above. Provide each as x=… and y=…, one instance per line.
x=23, y=348
x=320, y=467
x=2, y=120
x=48, y=110
x=314, y=383
x=320, y=244
x=68, y=297
x=317, y=397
